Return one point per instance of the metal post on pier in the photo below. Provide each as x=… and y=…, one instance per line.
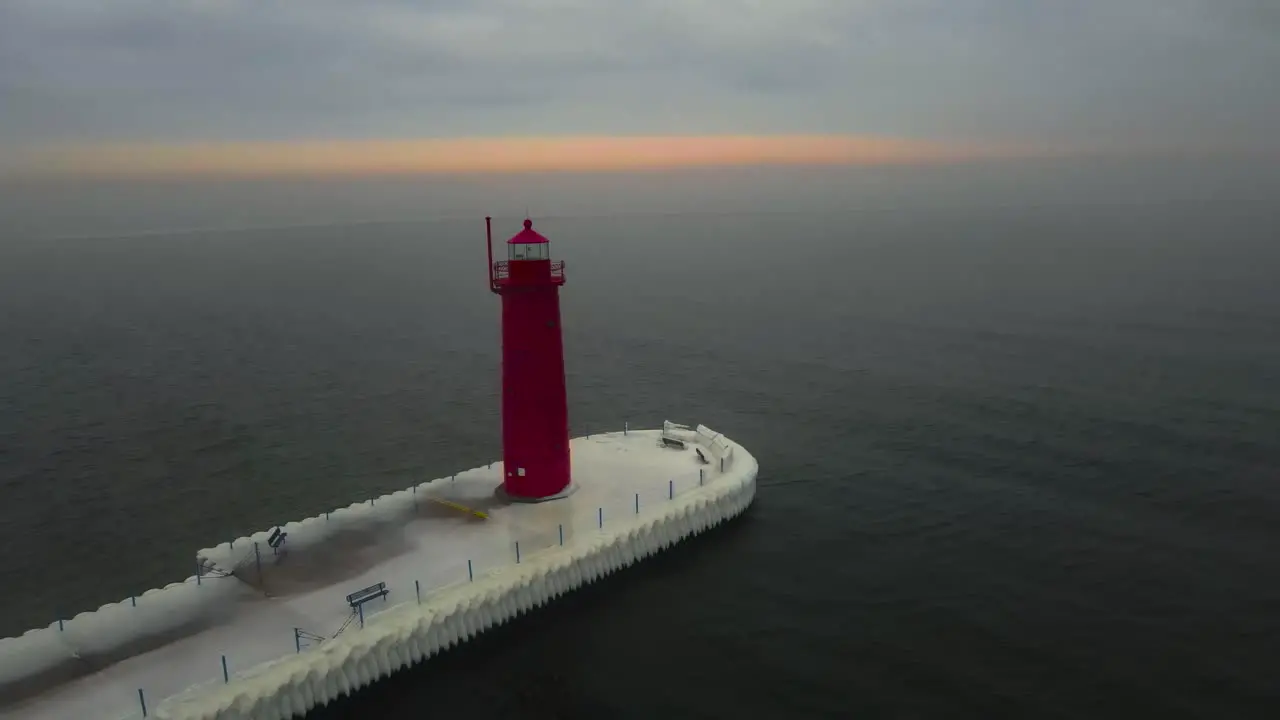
x=671, y=489
x=226, y=676
x=470, y=575
x=517, y=552
x=142, y=700
x=637, y=503
x=417, y=589
x=562, y=534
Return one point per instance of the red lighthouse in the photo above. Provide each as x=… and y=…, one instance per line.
x=535, y=412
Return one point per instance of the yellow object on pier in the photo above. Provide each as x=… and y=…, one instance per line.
x=460, y=507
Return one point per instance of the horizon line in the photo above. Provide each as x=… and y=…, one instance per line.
x=484, y=155
x=510, y=155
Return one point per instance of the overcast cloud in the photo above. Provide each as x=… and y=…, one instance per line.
x=1059, y=71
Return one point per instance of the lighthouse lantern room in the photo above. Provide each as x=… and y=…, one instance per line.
x=535, y=416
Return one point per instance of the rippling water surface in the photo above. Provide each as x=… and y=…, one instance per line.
x=1015, y=461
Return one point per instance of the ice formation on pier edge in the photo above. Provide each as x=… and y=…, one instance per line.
x=410, y=632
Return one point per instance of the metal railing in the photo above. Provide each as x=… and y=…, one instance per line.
x=502, y=270
x=469, y=565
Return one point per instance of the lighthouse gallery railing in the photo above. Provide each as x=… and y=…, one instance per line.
x=500, y=269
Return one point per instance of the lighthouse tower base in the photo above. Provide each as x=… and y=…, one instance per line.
x=501, y=493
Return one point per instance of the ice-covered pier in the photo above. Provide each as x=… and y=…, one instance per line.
x=295, y=616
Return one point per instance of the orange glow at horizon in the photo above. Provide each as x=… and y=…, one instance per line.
x=484, y=155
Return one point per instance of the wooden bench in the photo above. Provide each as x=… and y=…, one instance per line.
x=360, y=597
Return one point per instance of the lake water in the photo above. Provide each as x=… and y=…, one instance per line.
x=1018, y=458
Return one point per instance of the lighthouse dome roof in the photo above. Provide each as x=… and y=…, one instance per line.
x=527, y=235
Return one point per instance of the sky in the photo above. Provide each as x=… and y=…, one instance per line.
x=326, y=85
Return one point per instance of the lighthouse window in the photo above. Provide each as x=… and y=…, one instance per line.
x=529, y=251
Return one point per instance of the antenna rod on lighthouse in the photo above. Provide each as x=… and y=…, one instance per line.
x=488, y=235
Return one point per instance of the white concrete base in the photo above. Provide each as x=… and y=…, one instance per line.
x=451, y=575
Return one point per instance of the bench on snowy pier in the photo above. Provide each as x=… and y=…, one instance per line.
x=360, y=597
